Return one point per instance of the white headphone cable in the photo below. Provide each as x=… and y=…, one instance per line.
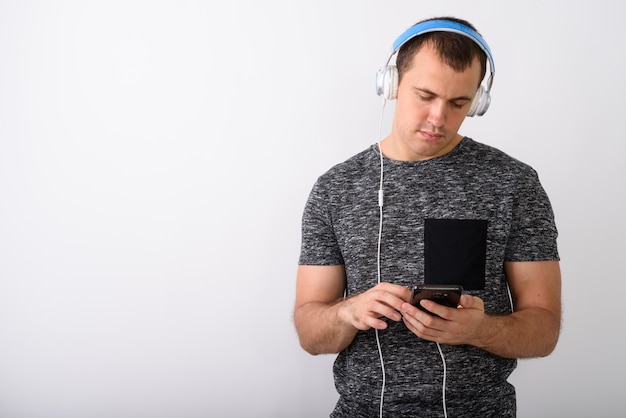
x=443, y=389
x=380, y=234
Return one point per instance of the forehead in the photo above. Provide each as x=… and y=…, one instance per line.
x=428, y=68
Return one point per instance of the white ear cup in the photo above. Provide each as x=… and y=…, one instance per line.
x=480, y=103
x=391, y=82
x=387, y=82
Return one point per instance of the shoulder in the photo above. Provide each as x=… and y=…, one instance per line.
x=345, y=178
x=353, y=168
x=492, y=159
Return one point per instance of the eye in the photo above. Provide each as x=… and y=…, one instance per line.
x=425, y=98
x=459, y=104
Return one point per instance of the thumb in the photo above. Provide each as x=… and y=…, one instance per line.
x=467, y=301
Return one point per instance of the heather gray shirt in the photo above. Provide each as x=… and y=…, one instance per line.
x=340, y=227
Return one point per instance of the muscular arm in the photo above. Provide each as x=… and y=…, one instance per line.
x=319, y=290
x=532, y=330
x=326, y=322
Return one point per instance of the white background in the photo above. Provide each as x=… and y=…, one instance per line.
x=155, y=157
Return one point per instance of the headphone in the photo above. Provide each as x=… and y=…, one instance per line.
x=387, y=77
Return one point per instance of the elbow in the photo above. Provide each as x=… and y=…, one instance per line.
x=306, y=341
x=315, y=348
x=552, y=341
x=306, y=344
x=310, y=348
x=550, y=346
x=546, y=351
x=317, y=334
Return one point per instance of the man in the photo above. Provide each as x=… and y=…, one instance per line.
x=423, y=201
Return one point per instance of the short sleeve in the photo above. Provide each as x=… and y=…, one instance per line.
x=533, y=235
x=319, y=243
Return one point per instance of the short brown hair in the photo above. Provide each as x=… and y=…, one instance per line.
x=456, y=50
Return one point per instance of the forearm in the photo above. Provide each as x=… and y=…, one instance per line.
x=531, y=332
x=321, y=329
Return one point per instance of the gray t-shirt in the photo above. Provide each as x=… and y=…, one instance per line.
x=473, y=182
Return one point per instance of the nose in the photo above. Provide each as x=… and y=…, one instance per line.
x=437, y=113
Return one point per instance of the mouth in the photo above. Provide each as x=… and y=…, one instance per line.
x=431, y=136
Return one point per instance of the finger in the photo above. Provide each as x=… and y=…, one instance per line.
x=420, y=329
x=375, y=323
x=466, y=301
x=435, y=308
x=472, y=302
x=417, y=319
x=392, y=303
x=398, y=291
x=382, y=309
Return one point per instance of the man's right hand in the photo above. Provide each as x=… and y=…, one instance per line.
x=365, y=310
x=327, y=322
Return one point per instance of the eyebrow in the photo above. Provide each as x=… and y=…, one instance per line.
x=432, y=93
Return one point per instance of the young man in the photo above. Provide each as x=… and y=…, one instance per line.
x=451, y=211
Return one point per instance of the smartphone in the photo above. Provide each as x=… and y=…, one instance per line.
x=447, y=295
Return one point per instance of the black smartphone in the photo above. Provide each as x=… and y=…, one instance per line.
x=448, y=295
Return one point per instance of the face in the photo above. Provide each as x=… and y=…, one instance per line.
x=432, y=103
